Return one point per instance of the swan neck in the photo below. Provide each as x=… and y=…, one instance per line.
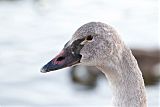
x=126, y=81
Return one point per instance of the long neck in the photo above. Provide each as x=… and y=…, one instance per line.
x=126, y=81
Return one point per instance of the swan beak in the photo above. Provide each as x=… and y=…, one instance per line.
x=66, y=58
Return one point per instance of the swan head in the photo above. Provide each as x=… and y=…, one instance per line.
x=92, y=44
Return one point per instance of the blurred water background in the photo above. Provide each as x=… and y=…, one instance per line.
x=32, y=32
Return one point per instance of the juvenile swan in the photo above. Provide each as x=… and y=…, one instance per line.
x=98, y=44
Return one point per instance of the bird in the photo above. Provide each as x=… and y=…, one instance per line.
x=99, y=44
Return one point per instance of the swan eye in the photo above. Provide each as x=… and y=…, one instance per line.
x=89, y=38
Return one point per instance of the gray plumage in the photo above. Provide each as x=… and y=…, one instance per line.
x=98, y=44
x=108, y=53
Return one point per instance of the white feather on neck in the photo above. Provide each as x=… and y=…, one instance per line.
x=126, y=81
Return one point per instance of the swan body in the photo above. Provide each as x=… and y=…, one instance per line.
x=98, y=44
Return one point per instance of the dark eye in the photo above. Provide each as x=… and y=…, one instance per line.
x=89, y=38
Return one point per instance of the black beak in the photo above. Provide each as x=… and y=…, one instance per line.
x=69, y=56
x=65, y=59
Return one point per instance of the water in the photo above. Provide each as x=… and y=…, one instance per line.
x=33, y=32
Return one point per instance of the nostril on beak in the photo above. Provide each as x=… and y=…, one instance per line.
x=60, y=58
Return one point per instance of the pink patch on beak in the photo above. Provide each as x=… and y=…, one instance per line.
x=59, y=59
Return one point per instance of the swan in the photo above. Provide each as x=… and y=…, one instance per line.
x=98, y=44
